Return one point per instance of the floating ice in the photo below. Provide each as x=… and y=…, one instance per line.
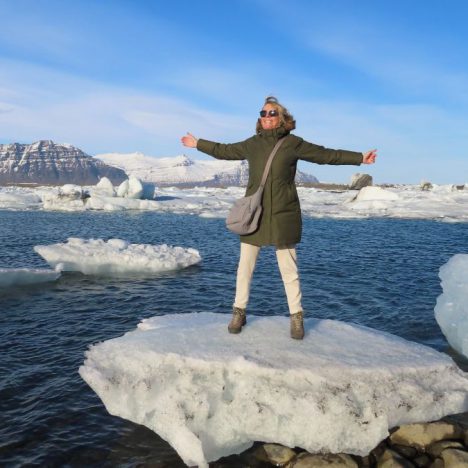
x=372, y=199
x=71, y=191
x=18, y=199
x=131, y=194
x=21, y=276
x=451, y=311
x=130, y=188
x=375, y=193
x=104, y=188
x=405, y=201
x=211, y=394
x=116, y=257
x=120, y=204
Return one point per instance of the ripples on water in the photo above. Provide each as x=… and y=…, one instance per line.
x=380, y=273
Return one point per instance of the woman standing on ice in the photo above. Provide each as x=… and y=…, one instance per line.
x=280, y=223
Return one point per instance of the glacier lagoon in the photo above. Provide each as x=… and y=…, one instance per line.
x=380, y=273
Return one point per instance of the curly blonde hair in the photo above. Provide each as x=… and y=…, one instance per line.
x=286, y=119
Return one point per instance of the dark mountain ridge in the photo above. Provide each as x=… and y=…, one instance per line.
x=49, y=163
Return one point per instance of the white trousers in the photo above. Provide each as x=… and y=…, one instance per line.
x=287, y=262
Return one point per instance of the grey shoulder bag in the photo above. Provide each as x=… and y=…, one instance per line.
x=244, y=215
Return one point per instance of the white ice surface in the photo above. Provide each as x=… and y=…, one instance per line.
x=131, y=188
x=22, y=276
x=19, y=199
x=443, y=203
x=211, y=394
x=116, y=257
x=451, y=311
x=102, y=203
x=104, y=188
x=71, y=190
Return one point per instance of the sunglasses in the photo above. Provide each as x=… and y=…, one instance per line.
x=270, y=113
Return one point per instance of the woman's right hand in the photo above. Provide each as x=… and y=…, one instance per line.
x=189, y=140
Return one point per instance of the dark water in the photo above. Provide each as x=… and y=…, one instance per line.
x=380, y=273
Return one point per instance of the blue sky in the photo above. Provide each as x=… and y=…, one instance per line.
x=124, y=76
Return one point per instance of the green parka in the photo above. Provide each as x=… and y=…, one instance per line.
x=281, y=222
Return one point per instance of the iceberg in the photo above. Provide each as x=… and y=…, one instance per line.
x=211, y=394
x=451, y=310
x=116, y=257
x=23, y=276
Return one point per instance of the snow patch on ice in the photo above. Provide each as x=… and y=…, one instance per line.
x=211, y=394
x=116, y=257
x=451, y=311
x=23, y=276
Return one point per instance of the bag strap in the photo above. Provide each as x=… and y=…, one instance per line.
x=270, y=160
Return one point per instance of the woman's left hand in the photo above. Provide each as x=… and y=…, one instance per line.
x=369, y=157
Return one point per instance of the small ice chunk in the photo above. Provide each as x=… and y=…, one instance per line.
x=372, y=199
x=211, y=394
x=122, y=189
x=104, y=188
x=74, y=192
x=135, y=188
x=451, y=310
x=149, y=190
x=22, y=276
x=131, y=188
x=375, y=193
x=116, y=257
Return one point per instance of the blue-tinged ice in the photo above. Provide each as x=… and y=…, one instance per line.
x=116, y=257
x=23, y=276
x=451, y=311
x=212, y=394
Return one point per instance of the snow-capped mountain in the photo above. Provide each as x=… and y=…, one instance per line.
x=181, y=170
x=46, y=162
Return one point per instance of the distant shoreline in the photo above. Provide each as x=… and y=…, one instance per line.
x=316, y=185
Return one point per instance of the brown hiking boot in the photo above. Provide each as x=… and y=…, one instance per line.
x=297, y=325
x=238, y=320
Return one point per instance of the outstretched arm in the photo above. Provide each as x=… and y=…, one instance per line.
x=321, y=155
x=217, y=150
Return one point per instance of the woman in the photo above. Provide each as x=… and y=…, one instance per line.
x=281, y=223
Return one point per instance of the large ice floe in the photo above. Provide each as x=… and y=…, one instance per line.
x=211, y=394
x=116, y=257
x=22, y=276
x=451, y=311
